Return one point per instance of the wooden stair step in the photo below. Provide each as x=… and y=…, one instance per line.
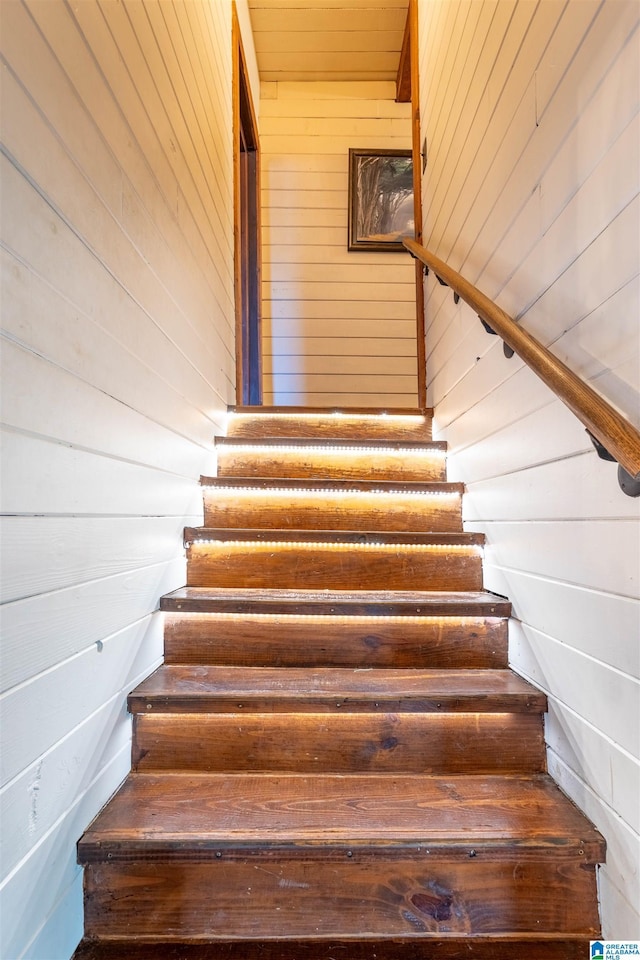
x=335, y=628
x=447, y=947
x=256, y=815
x=443, y=744
x=245, y=815
x=215, y=689
x=330, y=423
x=306, y=458
x=233, y=718
x=342, y=603
x=225, y=856
x=328, y=559
x=333, y=505
x=293, y=485
x=350, y=538
x=322, y=770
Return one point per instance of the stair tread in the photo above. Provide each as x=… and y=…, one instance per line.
x=330, y=422
x=413, y=538
x=201, y=815
x=345, y=804
x=540, y=946
x=299, y=602
x=287, y=411
x=313, y=443
x=388, y=487
x=309, y=688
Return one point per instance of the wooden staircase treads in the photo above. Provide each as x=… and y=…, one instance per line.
x=240, y=558
x=335, y=628
x=353, y=424
x=215, y=689
x=306, y=458
x=344, y=603
x=297, y=411
x=311, y=444
x=213, y=816
x=382, y=487
x=443, y=744
x=306, y=897
x=523, y=947
x=363, y=538
x=332, y=640
x=327, y=771
x=333, y=505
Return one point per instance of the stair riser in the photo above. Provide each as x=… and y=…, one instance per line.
x=393, y=429
x=336, y=466
x=340, y=743
x=432, y=643
x=245, y=898
x=317, y=566
x=450, y=947
x=376, y=512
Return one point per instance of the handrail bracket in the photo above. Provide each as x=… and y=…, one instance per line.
x=506, y=349
x=627, y=483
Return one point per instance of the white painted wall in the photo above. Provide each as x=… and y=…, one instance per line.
x=339, y=327
x=118, y=363
x=531, y=191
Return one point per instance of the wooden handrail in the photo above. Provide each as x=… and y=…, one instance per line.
x=611, y=429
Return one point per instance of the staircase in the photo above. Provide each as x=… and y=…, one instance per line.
x=334, y=760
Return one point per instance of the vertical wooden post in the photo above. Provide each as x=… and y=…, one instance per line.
x=417, y=196
x=247, y=239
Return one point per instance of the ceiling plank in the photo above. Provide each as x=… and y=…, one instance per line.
x=326, y=4
x=328, y=21
x=386, y=41
x=333, y=40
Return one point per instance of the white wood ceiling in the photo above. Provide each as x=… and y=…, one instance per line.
x=328, y=39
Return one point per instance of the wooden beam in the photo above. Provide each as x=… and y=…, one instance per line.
x=414, y=50
x=403, y=78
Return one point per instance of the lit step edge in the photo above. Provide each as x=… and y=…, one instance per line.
x=318, y=537
x=363, y=603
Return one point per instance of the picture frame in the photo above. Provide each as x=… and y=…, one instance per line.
x=381, y=209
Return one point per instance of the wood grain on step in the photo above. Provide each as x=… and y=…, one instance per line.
x=180, y=815
x=346, y=538
x=313, y=462
x=282, y=640
x=347, y=603
x=322, y=485
x=449, y=947
x=414, y=897
x=318, y=424
x=340, y=742
x=335, y=509
x=255, y=413
x=309, y=690
x=303, y=564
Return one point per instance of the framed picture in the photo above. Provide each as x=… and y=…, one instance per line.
x=380, y=199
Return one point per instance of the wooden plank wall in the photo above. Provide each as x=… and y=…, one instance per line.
x=339, y=327
x=118, y=364
x=531, y=191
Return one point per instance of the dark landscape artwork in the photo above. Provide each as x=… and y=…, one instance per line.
x=380, y=199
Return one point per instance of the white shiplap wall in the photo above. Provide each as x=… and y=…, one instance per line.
x=530, y=110
x=118, y=363
x=339, y=327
